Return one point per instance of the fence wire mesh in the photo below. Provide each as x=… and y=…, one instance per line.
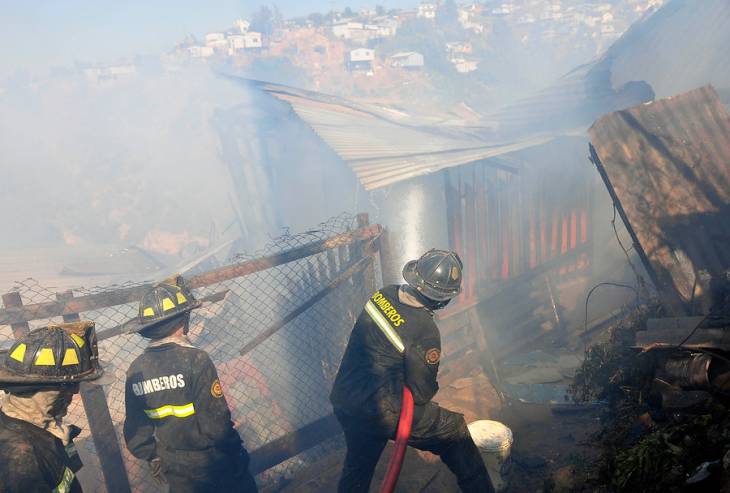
x=278, y=387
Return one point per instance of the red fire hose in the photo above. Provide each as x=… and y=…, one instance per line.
x=401, y=442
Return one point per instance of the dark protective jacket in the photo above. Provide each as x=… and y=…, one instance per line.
x=176, y=411
x=33, y=460
x=373, y=369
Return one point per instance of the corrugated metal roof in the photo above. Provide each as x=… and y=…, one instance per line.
x=384, y=146
x=668, y=163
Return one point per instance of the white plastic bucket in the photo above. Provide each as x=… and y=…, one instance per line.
x=494, y=441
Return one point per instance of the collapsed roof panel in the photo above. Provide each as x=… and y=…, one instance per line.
x=384, y=146
x=667, y=165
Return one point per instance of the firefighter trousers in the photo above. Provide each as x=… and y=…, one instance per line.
x=435, y=429
x=191, y=472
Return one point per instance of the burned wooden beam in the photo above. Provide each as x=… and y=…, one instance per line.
x=673, y=336
x=101, y=425
x=251, y=266
x=294, y=443
x=12, y=301
x=670, y=332
x=352, y=270
x=15, y=315
x=688, y=323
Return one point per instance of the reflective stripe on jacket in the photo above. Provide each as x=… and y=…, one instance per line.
x=391, y=344
x=33, y=460
x=174, y=402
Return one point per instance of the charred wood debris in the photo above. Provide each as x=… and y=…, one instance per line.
x=663, y=369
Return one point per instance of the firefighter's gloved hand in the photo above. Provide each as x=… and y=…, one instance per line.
x=156, y=471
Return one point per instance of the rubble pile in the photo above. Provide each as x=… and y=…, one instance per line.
x=665, y=426
x=663, y=373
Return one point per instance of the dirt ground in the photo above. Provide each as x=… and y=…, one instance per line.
x=547, y=444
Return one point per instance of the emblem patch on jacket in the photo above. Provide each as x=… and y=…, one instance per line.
x=216, y=390
x=433, y=356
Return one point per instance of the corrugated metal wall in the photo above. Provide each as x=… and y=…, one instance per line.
x=668, y=164
x=508, y=225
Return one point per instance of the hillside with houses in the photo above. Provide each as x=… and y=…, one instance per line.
x=482, y=54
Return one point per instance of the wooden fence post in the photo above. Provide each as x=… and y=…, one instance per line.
x=101, y=425
x=13, y=300
x=367, y=277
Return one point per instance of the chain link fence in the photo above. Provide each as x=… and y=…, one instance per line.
x=276, y=335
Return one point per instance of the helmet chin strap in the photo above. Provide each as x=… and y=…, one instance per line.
x=427, y=302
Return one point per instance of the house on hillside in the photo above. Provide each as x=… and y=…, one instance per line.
x=216, y=41
x=236, y=42
x=361, y=59
x=503, y=9
x=248, y=41
x=456, y=48
x=358, y=32
x=343, y=30
x=252, y=40
x=470, y=18
x=200, y=51
x=406, y=15
x=427, y=11
x=411, y=60
x=387, y=26
x=213, y=37
x=464, y=66
x=362, y=36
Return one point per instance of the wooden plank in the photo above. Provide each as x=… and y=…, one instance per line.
x=362, y=278
x=256, y=265
x=294, y=443
x=105, y=438
x=687, y=323
x=681, y=323
x=14, y=314
x=76, y=305
x=63, y=297
x=101, y=425
x=717, y=338
x=13, y=301
x=352, y=270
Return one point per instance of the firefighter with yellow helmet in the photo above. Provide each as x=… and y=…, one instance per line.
x=40, y=374
x=177, y=418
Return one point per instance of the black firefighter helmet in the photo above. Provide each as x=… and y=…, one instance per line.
x=436, y=275
x=58, y=354
x=163, y=305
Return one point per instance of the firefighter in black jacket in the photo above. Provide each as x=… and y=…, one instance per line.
x=41, y=373
x=395, y=342
x=177, y=417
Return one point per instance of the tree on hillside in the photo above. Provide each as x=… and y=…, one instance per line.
x=379, y=10
x=266, y=19
x=316, y=19
x=348, y=12
x=447, y=15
